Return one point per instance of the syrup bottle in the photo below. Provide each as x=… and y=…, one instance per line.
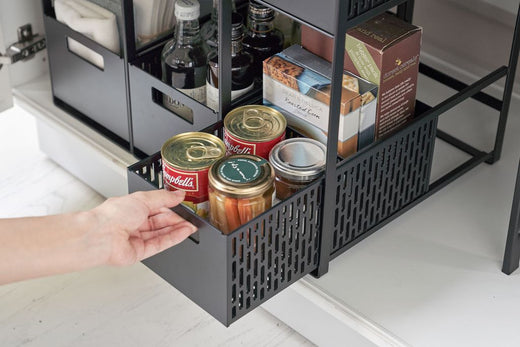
x=242, y=77
x=262, y=39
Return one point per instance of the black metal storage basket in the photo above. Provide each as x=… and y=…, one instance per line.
x=95, y=96
x=229, y=275
x=149, y=116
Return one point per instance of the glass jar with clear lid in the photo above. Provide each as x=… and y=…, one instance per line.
x=297, y=162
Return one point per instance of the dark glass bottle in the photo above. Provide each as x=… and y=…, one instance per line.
x=262, y=39
x=242, y=78
x=209, y=30
x=183, y=58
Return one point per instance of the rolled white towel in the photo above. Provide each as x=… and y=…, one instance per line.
x=93, y=21
x=152, y=18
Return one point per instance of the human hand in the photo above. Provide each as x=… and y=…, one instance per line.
x=120, y=231
x=131, y=228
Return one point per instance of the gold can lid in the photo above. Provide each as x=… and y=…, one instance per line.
x=255, y=123
x=241, y=176
x=192, y=151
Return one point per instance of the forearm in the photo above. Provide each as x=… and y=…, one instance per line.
x=120, y=231
x=40, y=246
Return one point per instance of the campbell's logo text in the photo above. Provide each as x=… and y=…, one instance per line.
x=181, y=182
x=237, y=148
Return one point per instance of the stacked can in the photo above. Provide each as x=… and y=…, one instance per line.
x=253, y=129
x=186, y=159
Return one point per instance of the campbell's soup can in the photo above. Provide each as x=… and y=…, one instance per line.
x=253, y=129
x=186, y=159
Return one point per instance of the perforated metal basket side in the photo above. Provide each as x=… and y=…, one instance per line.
x=274, y=250
x=373, y=186
x=229, y=275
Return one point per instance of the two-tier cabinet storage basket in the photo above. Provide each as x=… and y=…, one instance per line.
x=229, y=275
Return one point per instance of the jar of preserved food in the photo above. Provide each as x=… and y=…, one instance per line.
x=253, y=129
x=297, y=162
x=241, y=187
x=186, y=159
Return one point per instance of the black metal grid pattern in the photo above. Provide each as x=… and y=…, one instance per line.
x=271, y=253
x=374, y=186
x=358, y=7
x=151, y=171
x=150, y=62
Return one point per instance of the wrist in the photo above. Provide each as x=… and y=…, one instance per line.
x=93, y=243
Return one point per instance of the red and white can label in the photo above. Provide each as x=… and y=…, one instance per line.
x=240, y=146
x=195, y=183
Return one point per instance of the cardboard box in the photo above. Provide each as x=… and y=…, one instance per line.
x=298, y=83
x=385, y=51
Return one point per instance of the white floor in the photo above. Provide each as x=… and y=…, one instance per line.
x=103, y=306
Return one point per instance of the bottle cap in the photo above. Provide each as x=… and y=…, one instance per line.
x=260, y=12
x=187, y=9
x=241, y=176
x=237, y=28
x=299, y=159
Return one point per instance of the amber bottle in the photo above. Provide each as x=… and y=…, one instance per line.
x=262, y=39
x=242, y=78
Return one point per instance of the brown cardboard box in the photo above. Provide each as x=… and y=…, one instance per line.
x=385, y=51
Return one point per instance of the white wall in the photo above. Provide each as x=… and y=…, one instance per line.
x=467, y=38
x=506, y=5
